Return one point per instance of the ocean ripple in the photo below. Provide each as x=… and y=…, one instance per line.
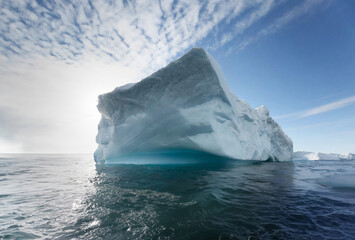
x=68, y=197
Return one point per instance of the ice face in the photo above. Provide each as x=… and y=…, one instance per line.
x=187, y=105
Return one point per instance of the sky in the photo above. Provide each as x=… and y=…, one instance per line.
x=295, y=57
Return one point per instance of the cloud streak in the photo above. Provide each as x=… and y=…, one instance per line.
x=344, y=102
x=329, y=107
x=276, y=24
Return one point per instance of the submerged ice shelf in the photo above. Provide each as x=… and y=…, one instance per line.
x=187, y=105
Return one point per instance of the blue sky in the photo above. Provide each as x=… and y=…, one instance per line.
x=295, y=57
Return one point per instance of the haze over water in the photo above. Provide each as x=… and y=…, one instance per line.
x=68, y=197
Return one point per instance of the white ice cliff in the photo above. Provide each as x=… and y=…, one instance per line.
x=302, y=155
x=187, y=105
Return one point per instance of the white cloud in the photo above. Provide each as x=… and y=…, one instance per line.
x=57, y=56
x=142, y=34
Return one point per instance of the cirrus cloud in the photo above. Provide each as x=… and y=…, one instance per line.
x=58, y=55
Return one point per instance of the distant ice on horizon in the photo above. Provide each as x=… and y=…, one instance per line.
x=303, y=155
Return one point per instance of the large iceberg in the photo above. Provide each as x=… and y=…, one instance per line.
x=302, y=155
x=187, y=105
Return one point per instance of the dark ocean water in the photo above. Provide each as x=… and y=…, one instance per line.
x=68, y=197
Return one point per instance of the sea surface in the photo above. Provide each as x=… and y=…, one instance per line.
x=69, y=197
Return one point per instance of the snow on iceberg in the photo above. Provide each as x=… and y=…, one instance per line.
x=187, y=105
x=302, y=155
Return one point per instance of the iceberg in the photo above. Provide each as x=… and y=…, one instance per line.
x=302, y=155
x=187, y=105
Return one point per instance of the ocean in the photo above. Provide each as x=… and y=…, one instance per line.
x=69, y=197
